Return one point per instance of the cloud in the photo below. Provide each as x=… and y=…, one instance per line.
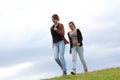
x=25, y=40
x=7, y=72
x=30, y=51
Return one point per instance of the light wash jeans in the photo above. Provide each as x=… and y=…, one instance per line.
x=59, y=49
x=78, y=50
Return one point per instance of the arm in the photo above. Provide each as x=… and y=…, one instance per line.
x=70, y=42
x=51, y=35
x=80, y=38
x=61, y=30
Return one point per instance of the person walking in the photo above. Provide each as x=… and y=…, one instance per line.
x=59, y=41
x=76, y=47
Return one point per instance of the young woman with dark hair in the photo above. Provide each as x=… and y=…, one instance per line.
x=59, y=41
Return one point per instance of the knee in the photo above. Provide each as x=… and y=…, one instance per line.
x=73, y=60
x=56, y=58
x=61, y=58
x=82, y=59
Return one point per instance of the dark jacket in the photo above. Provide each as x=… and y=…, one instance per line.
x=59, y=34
x=79, y=37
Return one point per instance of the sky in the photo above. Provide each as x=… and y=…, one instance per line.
x=26, y=45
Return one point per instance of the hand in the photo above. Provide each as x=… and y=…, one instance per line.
x=78, y=44
x=70, y=52
x=55, y=29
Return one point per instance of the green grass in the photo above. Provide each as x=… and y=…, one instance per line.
x=106, y=74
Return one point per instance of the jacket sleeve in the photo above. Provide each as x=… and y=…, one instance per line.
x=51, y=35
x=79, y=35
x=61, y=30
x=70, y=42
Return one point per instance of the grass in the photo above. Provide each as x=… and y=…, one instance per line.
x=106, y=74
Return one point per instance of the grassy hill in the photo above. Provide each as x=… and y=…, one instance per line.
x=106, y=74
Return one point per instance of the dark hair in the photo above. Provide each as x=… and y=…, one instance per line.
x=71, y=22
x=55, y=16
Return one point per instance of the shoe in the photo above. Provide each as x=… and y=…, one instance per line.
x=73, y=73
x=64, y=73
x=85, y=70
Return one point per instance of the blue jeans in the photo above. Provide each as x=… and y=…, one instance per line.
x=78, y=50
x=59, y=49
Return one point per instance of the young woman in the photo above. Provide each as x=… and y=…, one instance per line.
x=76, y=46
x=59, y=41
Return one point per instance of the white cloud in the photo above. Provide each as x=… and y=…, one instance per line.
x=100, y=51
x=7, y=72
x=36, y=76
x=25, y=24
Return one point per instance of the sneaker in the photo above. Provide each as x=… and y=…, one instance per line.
x=85, y=70
x=73, y=73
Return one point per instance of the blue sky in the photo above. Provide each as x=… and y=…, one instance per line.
x=25, y=41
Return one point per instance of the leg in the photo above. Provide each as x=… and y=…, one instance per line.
x=61, y=54
x=74, y=59
x=56, y=54
x=80, y=53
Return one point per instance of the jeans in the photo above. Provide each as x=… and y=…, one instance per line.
x=78, y=50
x=59, y=49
